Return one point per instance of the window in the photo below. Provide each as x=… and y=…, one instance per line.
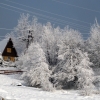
x=9, y=50
x=5, y=58
x=9, y=58
x=12, y=59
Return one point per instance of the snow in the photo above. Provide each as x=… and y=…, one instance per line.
x=10, y=90
x=8, y=68
x=3, y=44
x=97, y=71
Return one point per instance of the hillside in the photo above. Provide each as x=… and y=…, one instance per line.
x=10, y=91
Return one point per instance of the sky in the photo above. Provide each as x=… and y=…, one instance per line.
x=78, y=14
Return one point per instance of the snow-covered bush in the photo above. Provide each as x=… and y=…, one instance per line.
x=6, y=63
x=37, y=72
x=1, y=59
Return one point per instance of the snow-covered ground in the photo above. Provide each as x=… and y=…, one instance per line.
x=10, y=90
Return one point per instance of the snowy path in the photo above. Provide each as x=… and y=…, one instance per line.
x=8, y=90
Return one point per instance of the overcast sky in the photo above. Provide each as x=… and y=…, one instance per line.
x=78, y=14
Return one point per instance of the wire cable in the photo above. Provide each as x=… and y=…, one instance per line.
x=48, y=12
x=76, y=6
x=5, y=29
x=55, y=19
x=31, y=15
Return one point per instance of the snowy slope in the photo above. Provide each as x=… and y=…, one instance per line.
x=9, y=90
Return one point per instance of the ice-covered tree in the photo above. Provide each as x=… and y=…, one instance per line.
x=73, y=70
x=64, y=71
x=21, y=31
x=36, y=30
x=84, y=73
x=37, y=72
x=71, y=58
x=49, y=43
x=93, y=44
x=27, y=31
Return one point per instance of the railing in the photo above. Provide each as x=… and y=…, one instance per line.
x=10, y=72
